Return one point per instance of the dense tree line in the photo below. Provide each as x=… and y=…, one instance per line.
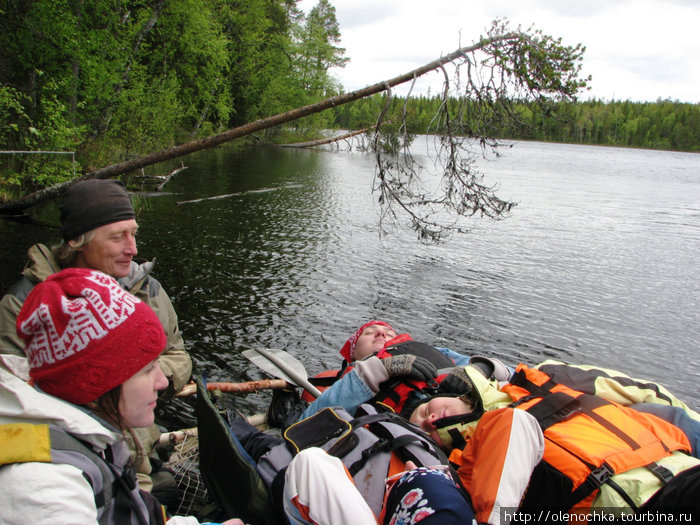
x=113, y=79
x=655, y=125
x=663, y=124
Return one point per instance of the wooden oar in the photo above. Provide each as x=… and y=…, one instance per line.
x=177, y=436
x=279, y=363
x=247, y=386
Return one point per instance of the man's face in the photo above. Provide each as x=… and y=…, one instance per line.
x=111, y=249
x=372, y=340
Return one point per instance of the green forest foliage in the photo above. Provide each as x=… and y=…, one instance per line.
x=115, y=79
x=654, y=125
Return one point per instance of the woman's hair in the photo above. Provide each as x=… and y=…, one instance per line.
x=107, y=406
x=67, y=251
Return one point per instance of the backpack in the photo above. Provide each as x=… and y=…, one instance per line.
x=372, y=445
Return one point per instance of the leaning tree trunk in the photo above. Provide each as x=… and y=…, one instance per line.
x=321, y=142
x=253, y=127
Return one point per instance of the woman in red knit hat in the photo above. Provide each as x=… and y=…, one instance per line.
x=92, y=351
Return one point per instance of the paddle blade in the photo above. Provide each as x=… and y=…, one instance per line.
x=261, y=358
x=279, y=363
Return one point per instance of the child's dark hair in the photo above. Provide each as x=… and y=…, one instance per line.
x=415, y=400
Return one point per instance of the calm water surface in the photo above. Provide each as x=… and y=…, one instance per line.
x=599, y=263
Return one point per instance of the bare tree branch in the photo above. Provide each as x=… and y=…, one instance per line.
x=531, y=65
x=321, y=142
x=489, y=81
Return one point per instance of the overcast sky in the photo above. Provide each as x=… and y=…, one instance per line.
x=639, y=50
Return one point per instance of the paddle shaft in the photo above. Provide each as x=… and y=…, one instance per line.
x=178, y=436
x=247, y=386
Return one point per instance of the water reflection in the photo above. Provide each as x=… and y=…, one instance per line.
x=279, y=248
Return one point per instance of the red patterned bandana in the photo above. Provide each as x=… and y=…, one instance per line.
x=85, y=335
x=348, y=350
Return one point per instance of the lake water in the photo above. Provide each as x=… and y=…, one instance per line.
x=598, y=264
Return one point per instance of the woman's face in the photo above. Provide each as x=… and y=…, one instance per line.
x=428, y=413
x=372, y=340
x=139, y=395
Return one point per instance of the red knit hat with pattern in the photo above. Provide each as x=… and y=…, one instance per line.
x=348, y=350
x=85, y=335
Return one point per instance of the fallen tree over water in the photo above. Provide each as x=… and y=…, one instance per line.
x=500, y=68
x=321, y=142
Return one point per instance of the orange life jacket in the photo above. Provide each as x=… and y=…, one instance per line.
x=589, y=439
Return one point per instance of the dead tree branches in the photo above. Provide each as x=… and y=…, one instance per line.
x=480, y=97
x=321, y=142
x=503, y=67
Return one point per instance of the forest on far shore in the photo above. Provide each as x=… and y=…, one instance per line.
x=108, y=81
x=664, y=124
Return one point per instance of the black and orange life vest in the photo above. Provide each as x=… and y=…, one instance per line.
x=393, y=393
x=588, y=440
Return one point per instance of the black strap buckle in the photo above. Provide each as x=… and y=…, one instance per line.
x=129, y=477
x=379, y=446
x=600, y=475
x=567, y=411
x=661, y=472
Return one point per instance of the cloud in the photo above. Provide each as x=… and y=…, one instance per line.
x=354, y=14
x=635, y=49
x=582, y=9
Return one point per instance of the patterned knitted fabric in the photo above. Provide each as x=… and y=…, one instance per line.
x=84, y=335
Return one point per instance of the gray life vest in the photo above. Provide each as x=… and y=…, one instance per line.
x=117, y=497
x=364, y=444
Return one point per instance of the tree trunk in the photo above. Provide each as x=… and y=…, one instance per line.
x=247, y=129
x=145, y=30
x=321, y=142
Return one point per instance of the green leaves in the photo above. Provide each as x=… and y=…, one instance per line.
x=117, y=78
